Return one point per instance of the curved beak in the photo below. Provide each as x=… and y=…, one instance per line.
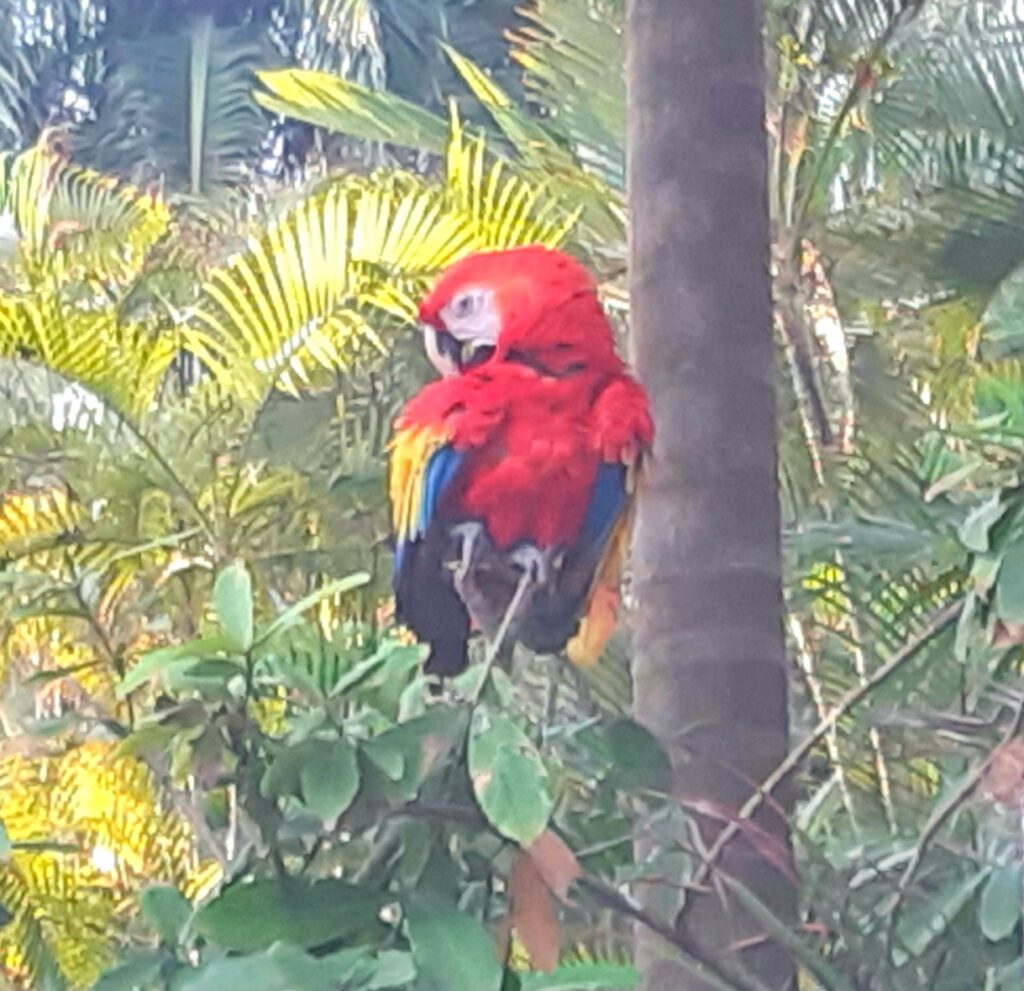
x=474, y=352
x=451, y=356
x=440, y=352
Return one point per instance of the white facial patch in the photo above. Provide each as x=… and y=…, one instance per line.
x=472, y=317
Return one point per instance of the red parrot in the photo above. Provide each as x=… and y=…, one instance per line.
x=512, y=476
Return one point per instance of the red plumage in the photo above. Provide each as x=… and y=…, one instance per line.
x=533, y=444
x=539, y=433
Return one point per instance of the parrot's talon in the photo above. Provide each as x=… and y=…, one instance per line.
x=468, y=534
x=442, y=692
x=531, y=561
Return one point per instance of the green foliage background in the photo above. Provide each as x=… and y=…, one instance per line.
x=217, y=764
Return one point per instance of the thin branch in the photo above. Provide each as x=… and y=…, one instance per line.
x=940, y=816
x=154, y=452
x=494, y=648
x=709, y=971
x=846, y=108
x=604, y=895
x=943, y=619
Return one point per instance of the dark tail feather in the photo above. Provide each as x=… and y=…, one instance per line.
x=448, y=657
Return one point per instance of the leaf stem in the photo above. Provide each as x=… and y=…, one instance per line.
x=943, y=619
x=494, y=648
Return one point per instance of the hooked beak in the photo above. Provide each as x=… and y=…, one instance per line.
x=449, y=355
x=473, y=353
x=442, y=350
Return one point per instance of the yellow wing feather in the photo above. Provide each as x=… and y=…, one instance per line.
x=602, y=612
x=411, y=450
x=598, y=621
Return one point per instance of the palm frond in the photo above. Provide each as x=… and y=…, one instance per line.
x=309, y=290
x=37, y=514
x=106, y=813
x=25, y=951
x=121, y=362
x=573, y=57
x=855, y=27
x=72, y=221
x=180, y=105
x=341, y=105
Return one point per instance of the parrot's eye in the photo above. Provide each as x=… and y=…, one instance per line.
x=464, y=305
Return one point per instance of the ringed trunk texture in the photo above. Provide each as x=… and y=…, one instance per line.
x=710, y=673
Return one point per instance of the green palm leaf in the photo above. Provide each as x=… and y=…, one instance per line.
x=339, y=104
x=309, y=291
x=181, y=103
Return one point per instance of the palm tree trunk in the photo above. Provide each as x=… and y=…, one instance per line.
x=710, y=672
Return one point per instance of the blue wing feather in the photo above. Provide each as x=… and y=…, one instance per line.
x=441, y=468
x=607, y=501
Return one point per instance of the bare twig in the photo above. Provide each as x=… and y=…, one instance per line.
x=940, y=816
x=708, y=970
x=494, y=648
x=605, y=896
x=845, y=109
x=943, y=619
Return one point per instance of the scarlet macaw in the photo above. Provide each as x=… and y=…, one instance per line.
x=519, y=461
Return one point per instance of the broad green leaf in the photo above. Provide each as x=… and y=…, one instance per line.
x=509, y=780
x=232, y=600
x=135, y=972
x=390, y=759
x=148, y=740
x=1010, y=584
x=53, y=727
x=294, y=612
x=166, y=910
x=1008, y=978
x=281, y=968
x=638, y=761
x=999, y=910
x=921, y=927
x=181, y=655
x=324, y=774
x=56, y=674
x=328, y=777
x=281, y=777
x=583, y=977
x=421, y=743
x=451, y=950
x=974, y=531
x=209, y=673
x=249, y=917
x=395, y=969
x=360, y=673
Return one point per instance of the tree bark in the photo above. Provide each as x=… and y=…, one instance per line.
x=710, y=672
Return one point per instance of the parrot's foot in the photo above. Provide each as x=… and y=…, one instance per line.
x=533, y=562
x=469, y=534
x=441, y=691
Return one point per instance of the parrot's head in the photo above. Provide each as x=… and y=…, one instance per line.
x=535, y=305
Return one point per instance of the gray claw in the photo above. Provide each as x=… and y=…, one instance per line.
x=531, y=561
x=469, y=534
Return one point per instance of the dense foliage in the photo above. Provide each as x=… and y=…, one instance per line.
x=218, y=765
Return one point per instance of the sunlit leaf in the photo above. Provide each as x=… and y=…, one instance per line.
x=509, y=779
x=232, y=599
x=436, y=928
x=247, y=917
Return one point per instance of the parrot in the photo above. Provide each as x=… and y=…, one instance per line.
x=512, y=476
